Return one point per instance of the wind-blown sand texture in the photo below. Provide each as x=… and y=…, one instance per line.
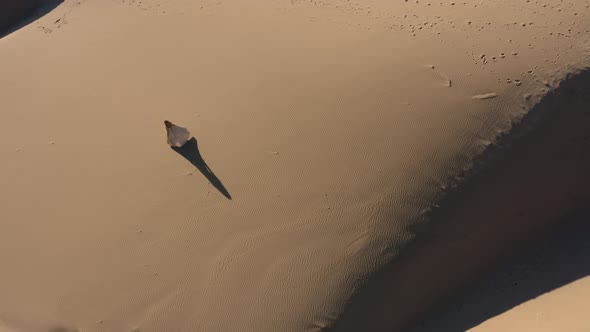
x=354, y=164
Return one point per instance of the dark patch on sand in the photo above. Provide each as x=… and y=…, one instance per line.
x=15, y=14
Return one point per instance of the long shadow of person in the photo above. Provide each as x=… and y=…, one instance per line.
x=190, y=151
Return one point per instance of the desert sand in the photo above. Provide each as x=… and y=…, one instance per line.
x=562, y=310
x=541, y=288
x=354, y=164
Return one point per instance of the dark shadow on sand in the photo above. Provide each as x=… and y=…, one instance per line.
x=562, y=253
x=16, y=14
x=561, y=260
x=530, y=185
x=190, y=151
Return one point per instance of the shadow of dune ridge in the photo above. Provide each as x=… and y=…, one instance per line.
x=527, y=186
x=16, y=14
x=560, y=260
x=190, y=151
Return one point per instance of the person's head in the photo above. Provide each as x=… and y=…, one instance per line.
x=168, y=124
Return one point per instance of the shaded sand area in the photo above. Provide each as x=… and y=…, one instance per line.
x=544, y=288
x=352, y=138
x=523, y=189
x=16, y=14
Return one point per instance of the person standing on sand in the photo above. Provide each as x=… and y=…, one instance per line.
x=177, y=136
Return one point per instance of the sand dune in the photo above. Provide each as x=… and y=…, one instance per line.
x=522, y=189
x=561, y=310
x=355, y=140
x=540, y=288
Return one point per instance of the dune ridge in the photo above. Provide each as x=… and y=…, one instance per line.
x=333, y=126
x=542, y=288
x=527, y=184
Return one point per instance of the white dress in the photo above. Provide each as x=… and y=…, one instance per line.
x=178, y=136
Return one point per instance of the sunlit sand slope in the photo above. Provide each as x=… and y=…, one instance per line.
x=326, y=133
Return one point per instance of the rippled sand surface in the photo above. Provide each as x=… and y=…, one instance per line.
x=339, y=162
